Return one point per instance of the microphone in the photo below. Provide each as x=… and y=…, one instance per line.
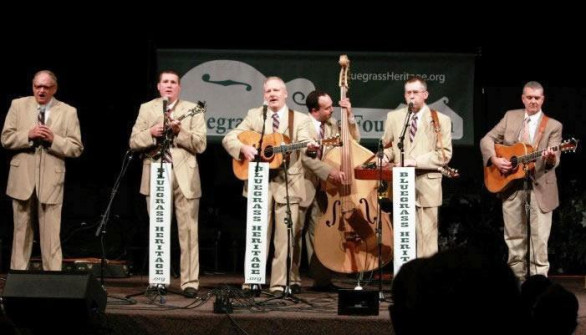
x=410, y=107
x=165, y=103
x=380, y=151
x=264, y=110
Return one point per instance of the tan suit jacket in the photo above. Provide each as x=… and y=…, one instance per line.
x=42, y=170
x=507, y=132
x=190, y=141
x=254, y=121
x=316, y=169
x=424, y=150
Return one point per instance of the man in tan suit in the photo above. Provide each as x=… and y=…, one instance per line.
x=320, y=108
x=427, y=151
x=275, y=95
x=523, y=125
x=188, y=139
x=42, y=131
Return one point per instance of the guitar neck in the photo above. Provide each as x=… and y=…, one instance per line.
x=534, y=155
x=290, y=147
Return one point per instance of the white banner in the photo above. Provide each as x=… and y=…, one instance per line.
x=404, y=216
x=256, y=224
x=160, y=223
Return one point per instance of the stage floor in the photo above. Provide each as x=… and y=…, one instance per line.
x=316, y=313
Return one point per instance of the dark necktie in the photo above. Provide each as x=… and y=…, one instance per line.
x=41, y=116
x=167, y=157
x=275, y=122
x=321, y=137
x=413, y=128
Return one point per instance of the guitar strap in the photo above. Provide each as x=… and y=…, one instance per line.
x=438, y=130
x=542, y=125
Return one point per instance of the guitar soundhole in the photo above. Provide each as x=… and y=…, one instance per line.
x=268, y=152
x=514, y=162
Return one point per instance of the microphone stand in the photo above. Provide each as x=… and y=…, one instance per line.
x=287, y=294
x=400, y=145
x=527, y=191
x=379, y=228
x=101, y=231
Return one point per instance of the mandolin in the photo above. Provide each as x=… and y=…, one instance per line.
x=155, y=152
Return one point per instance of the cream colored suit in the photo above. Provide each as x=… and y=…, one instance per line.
x=37, y=177
x=544, y=193
x=317, y=170
x=191, y=140
x=254, y=122
x=428, y=183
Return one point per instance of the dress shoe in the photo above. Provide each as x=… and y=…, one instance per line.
x=326, y=288
x=295, y=288
x=190, y=292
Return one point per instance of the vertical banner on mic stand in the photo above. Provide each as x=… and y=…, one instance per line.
x=256, y=224
x=161, y=204
x=404, y=216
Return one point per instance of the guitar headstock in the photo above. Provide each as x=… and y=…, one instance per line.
x=334, y=141
x=569, y=145
x=345, y=64
x=449, y=172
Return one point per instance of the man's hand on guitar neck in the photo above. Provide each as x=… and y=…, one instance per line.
x=503, y=164
x=248, y=152
x=549, y=156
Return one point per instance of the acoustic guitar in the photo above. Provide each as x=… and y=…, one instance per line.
x=521, y=156
x=272, y=144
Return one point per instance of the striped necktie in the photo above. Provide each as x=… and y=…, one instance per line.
x=321, y=137
x=413, y=128
x=41, y=116
x=275, y=122
x=167, y=157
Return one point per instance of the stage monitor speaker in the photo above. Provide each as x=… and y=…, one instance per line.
x=358, y=302
x=53, y=299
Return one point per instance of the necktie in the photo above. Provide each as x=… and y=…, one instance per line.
x=275, y=122
x=167, y=158
x=526, y=138
x=321, y=136
x=41, y=116
x=413, y=128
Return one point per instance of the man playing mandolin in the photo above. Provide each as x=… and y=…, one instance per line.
x=531, y=127
x=160, y=117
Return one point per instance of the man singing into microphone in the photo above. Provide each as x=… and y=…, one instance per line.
x=41, y=131
x=426, y=149
x=187, y=138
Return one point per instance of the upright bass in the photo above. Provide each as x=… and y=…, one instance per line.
x=346, y=235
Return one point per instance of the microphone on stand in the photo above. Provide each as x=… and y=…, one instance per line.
x=410, y=107
x=165, y=103
x=264, y=110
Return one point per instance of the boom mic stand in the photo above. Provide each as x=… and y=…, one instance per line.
x=527, y=191
x=379, y=222
x=101, y=231
x=287, y=294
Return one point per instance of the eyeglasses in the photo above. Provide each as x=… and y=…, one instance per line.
x=47, y=87
x=415, y=92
